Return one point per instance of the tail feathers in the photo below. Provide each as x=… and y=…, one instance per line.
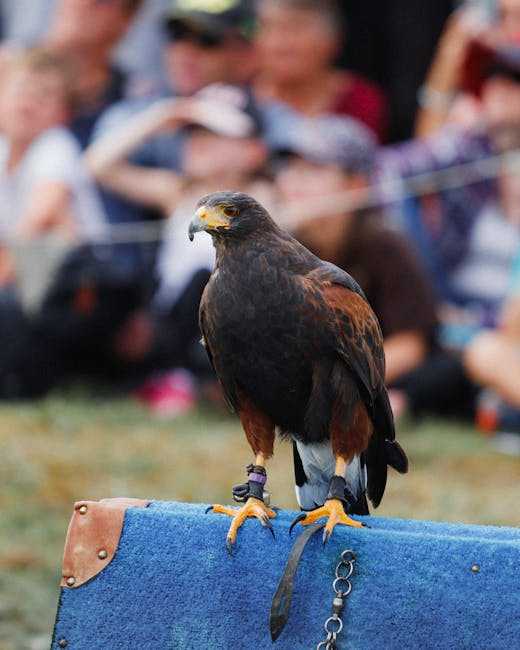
x=377, y=469
x=314, y=467
x=383, y=416
x=395, y=456
x=383, y=449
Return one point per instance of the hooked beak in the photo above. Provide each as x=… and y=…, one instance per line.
x=208, y=219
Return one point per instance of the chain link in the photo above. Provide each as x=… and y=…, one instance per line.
x=342, y=587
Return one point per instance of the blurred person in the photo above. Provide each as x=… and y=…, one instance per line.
x=207, y=46
x=43, y=185
x=205, y=43
x=467, y=233
x=44, y=189
x=472, y=36
x=493, y=356
x=220, y=128
x=492, y=359
x=326, y=157
x=471, y=225
x=220, y=150
x=138, y=54
x=86, y=33
x=298, y=43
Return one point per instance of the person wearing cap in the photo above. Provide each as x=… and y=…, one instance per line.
x=226, y=143
x=220, y=128
x=323, y=173
x=207, y=42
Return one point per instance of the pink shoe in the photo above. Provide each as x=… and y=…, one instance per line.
x=168, y=395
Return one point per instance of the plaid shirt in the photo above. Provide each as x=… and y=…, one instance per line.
x=439, y=223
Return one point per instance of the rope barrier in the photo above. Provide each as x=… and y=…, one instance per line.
x=381, y=194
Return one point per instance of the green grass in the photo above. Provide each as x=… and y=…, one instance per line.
x=68, y=448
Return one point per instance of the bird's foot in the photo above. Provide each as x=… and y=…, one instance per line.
x=252, y=508
x=333, y=509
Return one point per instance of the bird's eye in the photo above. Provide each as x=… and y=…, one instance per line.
x=230, y=211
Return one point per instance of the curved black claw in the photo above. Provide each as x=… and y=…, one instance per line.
x=365, y=525
x=326, y=536
x=208, y=509
x=297, y=520
x=230, y=547
x=267, y=523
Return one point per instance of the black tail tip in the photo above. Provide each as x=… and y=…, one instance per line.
x=395, y=456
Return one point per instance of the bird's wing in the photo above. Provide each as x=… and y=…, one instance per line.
x=359, y=343
x=207, y=330
x=358, y=337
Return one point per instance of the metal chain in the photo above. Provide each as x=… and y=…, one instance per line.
x=342, y=588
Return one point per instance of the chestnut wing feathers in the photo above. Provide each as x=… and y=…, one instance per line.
x=359, y=343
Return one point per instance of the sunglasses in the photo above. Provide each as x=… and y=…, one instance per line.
x=178, y=31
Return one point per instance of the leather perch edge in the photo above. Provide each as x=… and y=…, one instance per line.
x=93, y=538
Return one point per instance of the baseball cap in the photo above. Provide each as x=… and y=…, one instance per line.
x=214, y=19
x=227, y=110
x=326, y=139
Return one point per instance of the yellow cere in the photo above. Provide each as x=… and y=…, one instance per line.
x=213, y=217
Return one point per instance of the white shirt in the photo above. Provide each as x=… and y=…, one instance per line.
x=179, y=259
x=53, y=156
x=494, y=244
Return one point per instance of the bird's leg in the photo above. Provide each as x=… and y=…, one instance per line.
x=260, y=431
x=333, y=508
x=252, y=494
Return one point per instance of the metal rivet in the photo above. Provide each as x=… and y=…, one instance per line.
x=102, y=554
x=475, y=568
x=83, y=510
x=71, y=581
x=63, y=643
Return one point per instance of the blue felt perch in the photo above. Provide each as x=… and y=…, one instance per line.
x=171, y=584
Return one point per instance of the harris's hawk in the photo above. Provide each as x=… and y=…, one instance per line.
x=298, y=350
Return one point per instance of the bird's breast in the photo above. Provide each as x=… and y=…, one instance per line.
x=260, y=332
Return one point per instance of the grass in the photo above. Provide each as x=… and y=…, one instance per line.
x=67, y=448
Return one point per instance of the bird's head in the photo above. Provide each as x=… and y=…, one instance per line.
x=229, y=215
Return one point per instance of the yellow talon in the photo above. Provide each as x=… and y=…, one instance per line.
x=333, y=509
x=251, y=508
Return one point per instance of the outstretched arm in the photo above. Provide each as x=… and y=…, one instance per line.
x=49, y=208
x=107, y=161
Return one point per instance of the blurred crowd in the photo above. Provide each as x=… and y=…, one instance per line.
x=386, y=138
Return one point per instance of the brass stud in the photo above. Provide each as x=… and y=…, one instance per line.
x=83, y=510
x=102, y=554
x=71, y=581
x=63, y=643
x=475, y=568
